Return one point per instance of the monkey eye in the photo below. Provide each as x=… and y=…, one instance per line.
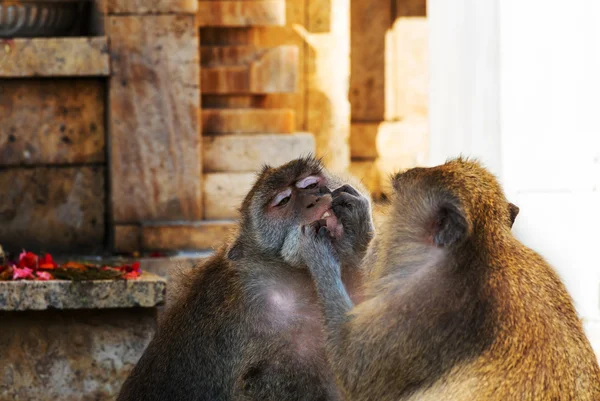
x=282, y=198
x=308, y=182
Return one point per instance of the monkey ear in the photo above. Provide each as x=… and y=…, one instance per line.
x=514, y=212
x=236, y=251
x=449, y=225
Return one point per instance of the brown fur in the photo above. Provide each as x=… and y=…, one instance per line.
x=456, y=308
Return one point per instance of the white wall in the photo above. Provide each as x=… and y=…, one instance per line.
x=548, y=125
x=550, y=135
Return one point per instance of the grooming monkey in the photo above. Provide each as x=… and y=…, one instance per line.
x=248, y=326
x=456, y=308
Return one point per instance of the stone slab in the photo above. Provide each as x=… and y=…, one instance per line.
x=146, y=291
x=59, y=121
x=154, y=118
x=71, y=355
x=54, y=57
x=152, y=6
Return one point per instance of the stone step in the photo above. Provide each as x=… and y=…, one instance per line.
x=172, y=236
x=249, y=70
x=241, y=13
x=247, y=121
x=185, y=236
x=55, y=57
x=248, y=153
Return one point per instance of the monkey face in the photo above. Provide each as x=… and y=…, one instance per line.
x=307, y=200
x=282, y=200
x=304, y=201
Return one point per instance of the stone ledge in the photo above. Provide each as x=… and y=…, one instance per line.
x=146, y=291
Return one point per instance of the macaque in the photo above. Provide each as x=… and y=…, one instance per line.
x=248, y=325
x=455, y=308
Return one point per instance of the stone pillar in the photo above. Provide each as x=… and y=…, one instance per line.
x=327, y=81
x=388, y=89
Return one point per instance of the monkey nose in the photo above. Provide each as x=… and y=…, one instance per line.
x=324, y=190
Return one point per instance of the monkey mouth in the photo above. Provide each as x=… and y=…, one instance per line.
x=331, y=222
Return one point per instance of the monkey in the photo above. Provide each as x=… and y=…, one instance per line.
x=247, y=325
x=456, y=308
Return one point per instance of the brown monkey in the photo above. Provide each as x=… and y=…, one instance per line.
x=456, y=307
x=248, y=326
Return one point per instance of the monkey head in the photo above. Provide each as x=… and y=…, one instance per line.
x=285, y=198
x=445, y=204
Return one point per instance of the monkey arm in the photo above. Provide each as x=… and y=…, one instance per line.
x=325, y=269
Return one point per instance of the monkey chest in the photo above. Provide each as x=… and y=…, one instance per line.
x=291, y=322
x=285, y=359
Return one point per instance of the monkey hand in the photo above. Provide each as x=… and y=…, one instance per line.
x=317, y=250
x=353, y=210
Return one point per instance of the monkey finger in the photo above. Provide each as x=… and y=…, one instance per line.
x=345, y=200
x=315, y=226
x=323, y=232
x=345, y=189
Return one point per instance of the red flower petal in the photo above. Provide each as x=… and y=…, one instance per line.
x=28, y=259
x=24, y=273
x=43, y=276
x=131, y=275
x=46, y=262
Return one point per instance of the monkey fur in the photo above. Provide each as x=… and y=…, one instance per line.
x=455, y=307
x=248, y=324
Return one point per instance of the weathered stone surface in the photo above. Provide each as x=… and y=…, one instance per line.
x=52, y=121
x=71, y=355
x=152, y=6
x=186, y=236
x=249, y=70
x=54, y=57
x=247, y=121
x=146, y=291
x=224, y=192
x=154, y=118
x=241, y=13
x=52, y=209
x=250, y=152
x=128, y=238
